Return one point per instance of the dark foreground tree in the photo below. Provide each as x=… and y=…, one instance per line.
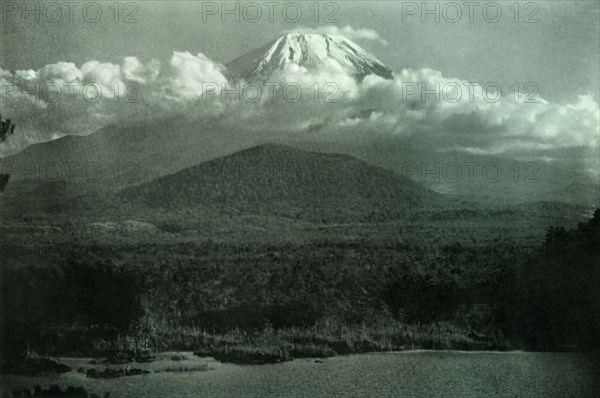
x=6, y=128
x=559, y=292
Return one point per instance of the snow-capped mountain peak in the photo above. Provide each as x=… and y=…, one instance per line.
x=306, y=50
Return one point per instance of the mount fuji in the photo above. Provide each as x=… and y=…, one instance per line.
x=130, y=153
x=306, y=50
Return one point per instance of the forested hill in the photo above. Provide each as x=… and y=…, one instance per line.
x=270, y=177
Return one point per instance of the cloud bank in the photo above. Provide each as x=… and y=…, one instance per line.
x=64, y=99
x=420, y=107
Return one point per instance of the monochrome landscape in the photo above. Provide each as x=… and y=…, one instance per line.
x=198, y=201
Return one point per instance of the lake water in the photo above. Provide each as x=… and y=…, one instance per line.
x=398, y=374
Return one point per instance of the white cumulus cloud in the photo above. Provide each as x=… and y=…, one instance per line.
x=456, y=115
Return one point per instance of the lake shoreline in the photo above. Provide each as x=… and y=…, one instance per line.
x=268, y=345
x=435, y=373
x=272, y=345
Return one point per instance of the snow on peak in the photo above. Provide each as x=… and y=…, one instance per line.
x=306, y=50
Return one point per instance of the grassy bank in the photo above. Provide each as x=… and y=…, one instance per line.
x=266, y=345
x=325, y=339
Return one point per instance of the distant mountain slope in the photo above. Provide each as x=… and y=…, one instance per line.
x=584, y=194
x=305, y=50
x=284, y=181
x=517, y=180
x=113, y=158
x=154, y=148
x=121, y=156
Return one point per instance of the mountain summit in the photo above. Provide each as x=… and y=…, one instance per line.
x=307, y=50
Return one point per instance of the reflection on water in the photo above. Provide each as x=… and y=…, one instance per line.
x=406, y=374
